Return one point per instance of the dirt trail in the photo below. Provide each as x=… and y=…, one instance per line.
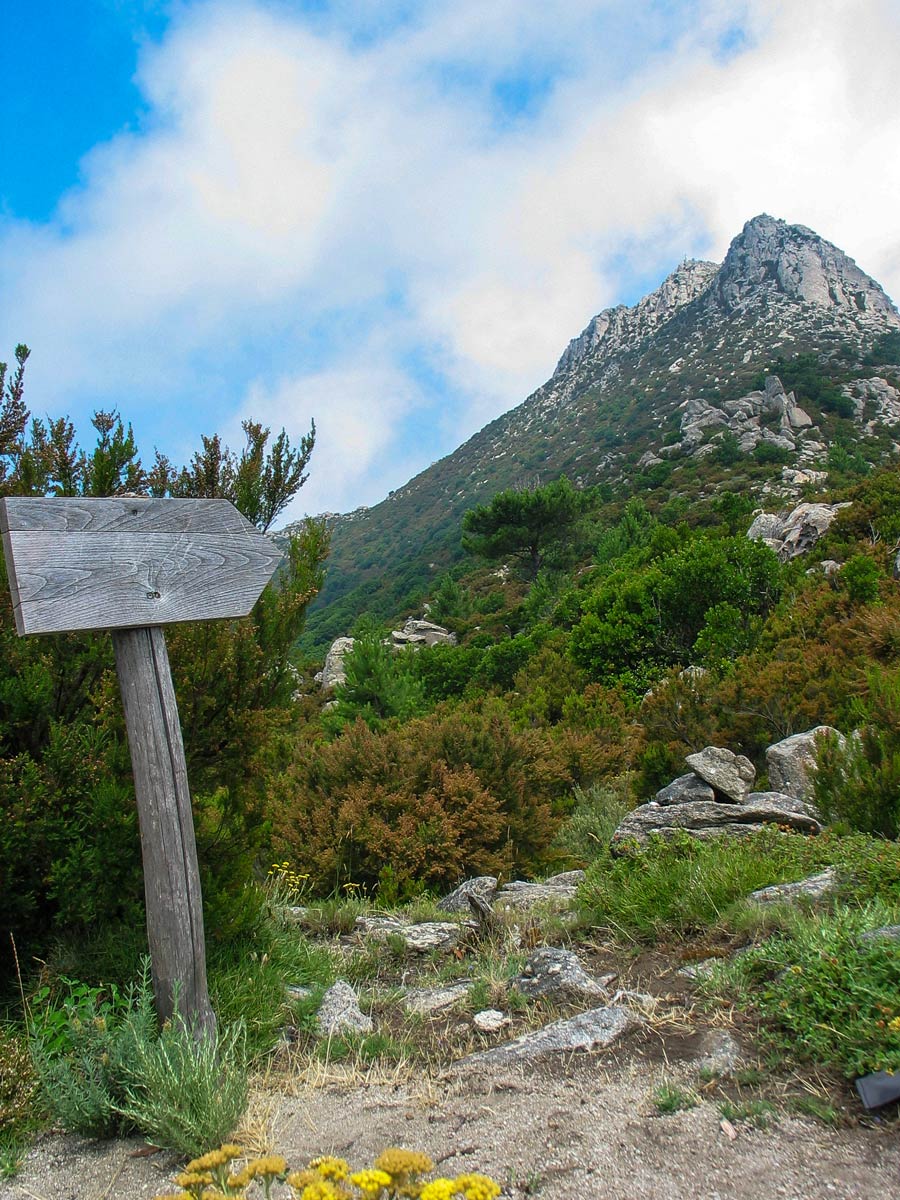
x=588, y=1129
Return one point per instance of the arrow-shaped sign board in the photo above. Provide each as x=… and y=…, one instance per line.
x=132, y=565
x=121, y=563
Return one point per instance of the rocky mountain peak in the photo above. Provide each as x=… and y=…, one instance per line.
x=770, y=256
x=704, y=365
x=614, y=329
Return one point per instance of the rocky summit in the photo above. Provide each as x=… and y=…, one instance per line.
x=643, y=390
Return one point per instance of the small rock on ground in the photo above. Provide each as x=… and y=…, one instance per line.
x=587, y=1031
x=340, y=1012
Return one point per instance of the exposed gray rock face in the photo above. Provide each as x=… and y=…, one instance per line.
x=875, y=402
x=422, y=633
x=332, y=672
x=524, y=896
x=726, y=772
x=801, y=265
x=789, y=761
x=421, y=937
x=565, y=879
x=703, y=819
x=482, y=886
x=685, y=790
x=797, y=532
x=587, y=1031
x=886, y=933
x=816, y=887
x=429, y=1000
x=340, y=1012
x=750, y=418
x=614, y=329
x=551, y=971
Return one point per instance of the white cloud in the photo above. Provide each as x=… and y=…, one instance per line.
x=339, y=219
x=357, y=411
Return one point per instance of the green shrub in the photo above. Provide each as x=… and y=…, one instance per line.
x=827, y=995
x=380, y=683
x=859, y=578
x=105, y=1067
x=860, y=785
x=182, y=1092
x=598, y=810
x=80, y=1047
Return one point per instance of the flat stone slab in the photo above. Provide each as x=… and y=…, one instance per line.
x=711, y=819
x=816, y=887
x=482, y=886
x=590, y=1030
x=490, y=1020
x=421, y=937
x=428, y=1000
x=551, y=971
x=519, y=896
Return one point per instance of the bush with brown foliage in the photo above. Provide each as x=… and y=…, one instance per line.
x=456, y=793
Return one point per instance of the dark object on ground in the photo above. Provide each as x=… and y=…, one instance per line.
x=878, y=1089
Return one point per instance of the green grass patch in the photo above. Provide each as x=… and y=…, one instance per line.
x=248, y=982
x=678, y=888
x=363, y=1049
x=755, y=1112
x=670, y=1098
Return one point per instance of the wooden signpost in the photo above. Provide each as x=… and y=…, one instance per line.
x=132, y=565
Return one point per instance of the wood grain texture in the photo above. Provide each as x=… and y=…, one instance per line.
x=117, y=514
x=171, y=875
x=113, y=564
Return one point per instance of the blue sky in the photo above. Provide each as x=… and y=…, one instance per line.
x=391, y=216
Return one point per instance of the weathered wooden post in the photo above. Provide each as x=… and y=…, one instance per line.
x=132, y=565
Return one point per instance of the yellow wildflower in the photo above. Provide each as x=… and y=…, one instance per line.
x=330, y=1167
x=894, y=1025
x=322, y=1189
x=299, y=1179
x=215, y=1158
x=398, y=1162
x=193, y=1179
x=477, y=1187
x=371, y=1182
x=438, y=1189
x=274, y=1164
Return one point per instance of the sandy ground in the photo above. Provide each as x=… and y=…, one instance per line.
x=588, y=1129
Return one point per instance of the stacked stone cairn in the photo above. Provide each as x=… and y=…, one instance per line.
x=715, y=797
